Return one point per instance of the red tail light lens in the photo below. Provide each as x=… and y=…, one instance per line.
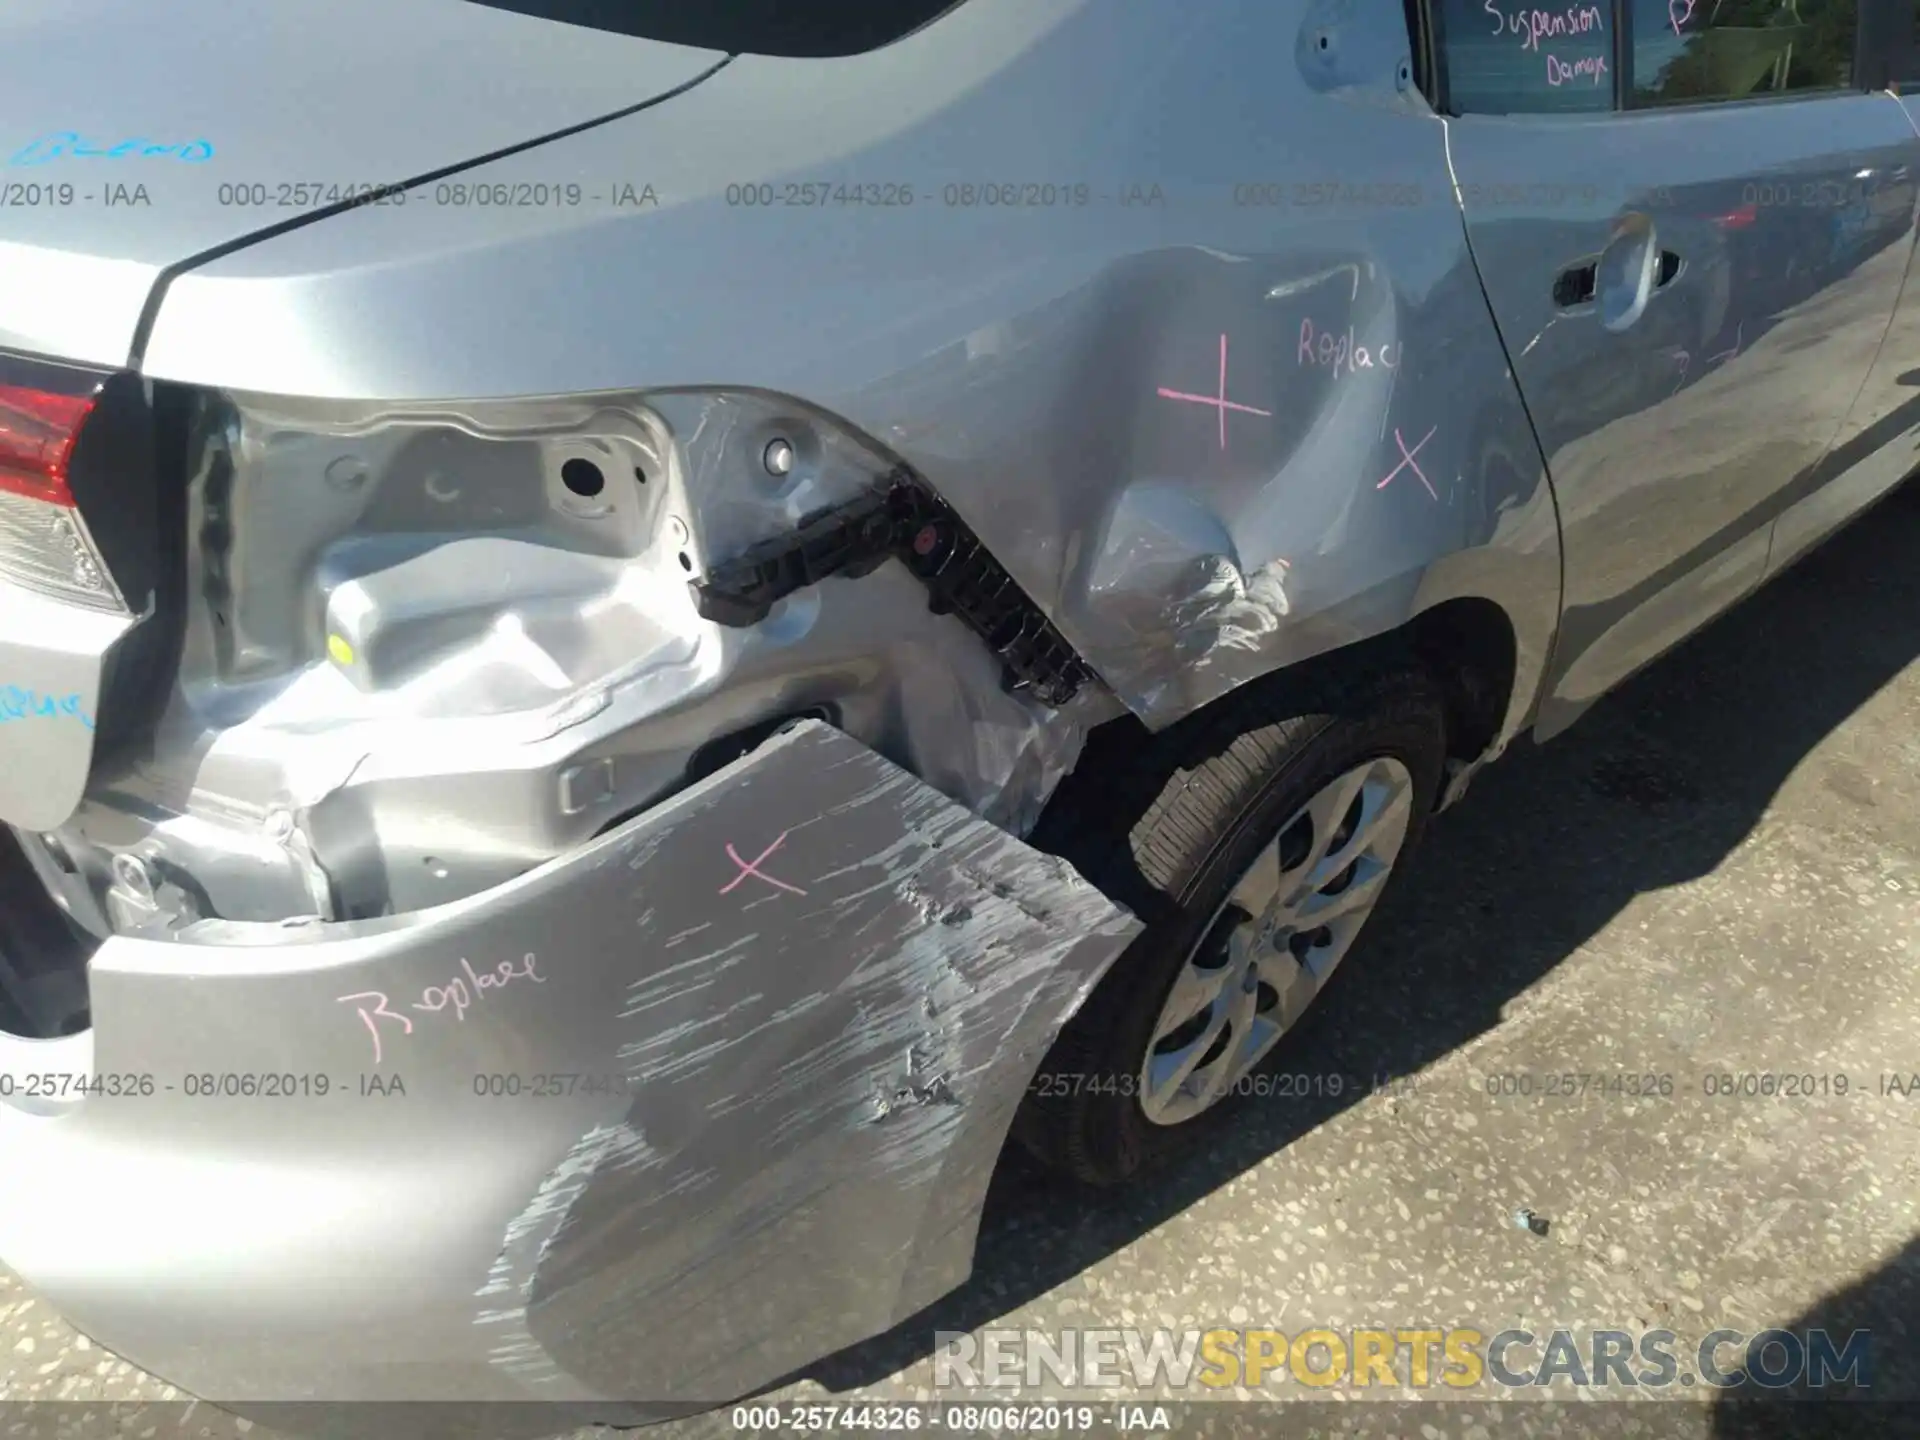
x=45, y=544
x=37, y=435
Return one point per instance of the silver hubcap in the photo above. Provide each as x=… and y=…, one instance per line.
x=1276, y=939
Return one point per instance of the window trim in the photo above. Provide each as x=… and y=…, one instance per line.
x=1622, y=56
x=1425, y=47
x=1855, y=68
x=1433, y=38
x=1889, y=54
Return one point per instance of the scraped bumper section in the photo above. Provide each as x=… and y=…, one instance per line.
x=656, y=1123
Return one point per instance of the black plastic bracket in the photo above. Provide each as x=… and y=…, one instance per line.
x=901, y=519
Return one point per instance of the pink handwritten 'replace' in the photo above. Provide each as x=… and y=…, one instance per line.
x=1339, y=352
x=458, y=994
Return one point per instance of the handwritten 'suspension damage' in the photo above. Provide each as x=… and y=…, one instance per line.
x=1533, y=27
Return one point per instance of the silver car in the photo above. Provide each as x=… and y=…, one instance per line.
x=632, y=634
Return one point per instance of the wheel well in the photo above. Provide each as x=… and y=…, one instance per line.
x=1467, y=645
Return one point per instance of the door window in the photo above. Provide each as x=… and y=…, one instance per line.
x=1501, y=57
x=1685, y=51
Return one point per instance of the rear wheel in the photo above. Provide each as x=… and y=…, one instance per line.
x=1255, y=843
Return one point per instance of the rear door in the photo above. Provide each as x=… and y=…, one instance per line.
x=1879, y=444
x=1654, y=192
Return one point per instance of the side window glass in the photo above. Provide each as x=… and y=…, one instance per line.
x=1501, y=57
x=1687, y=51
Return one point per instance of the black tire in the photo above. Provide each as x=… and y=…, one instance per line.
x=1167, y=829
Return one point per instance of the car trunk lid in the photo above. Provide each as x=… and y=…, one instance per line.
x=136, y=137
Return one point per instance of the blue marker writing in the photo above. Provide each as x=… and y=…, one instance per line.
x=44, y=149
x=18, y=704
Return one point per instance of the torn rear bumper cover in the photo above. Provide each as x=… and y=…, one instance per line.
x=658, y=1122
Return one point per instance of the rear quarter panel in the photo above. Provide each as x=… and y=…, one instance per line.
x=1173, y=385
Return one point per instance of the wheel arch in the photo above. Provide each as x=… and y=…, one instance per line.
x=1487, y=666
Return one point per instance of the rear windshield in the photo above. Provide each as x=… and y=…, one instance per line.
x=808, y=28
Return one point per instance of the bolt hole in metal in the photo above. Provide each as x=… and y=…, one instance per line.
x=1276, y=940
x=582, y=478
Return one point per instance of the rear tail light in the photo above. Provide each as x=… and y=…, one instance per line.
x=44, y=542
x=37, y=435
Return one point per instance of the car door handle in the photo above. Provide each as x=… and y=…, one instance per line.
x=1576, y=284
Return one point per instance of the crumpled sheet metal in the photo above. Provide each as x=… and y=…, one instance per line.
x=1296, y=451
x=1310, y=271
x=506, y=667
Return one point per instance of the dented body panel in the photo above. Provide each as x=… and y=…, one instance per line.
x=551, y=709
x=1205, y=434
x=743, y=1064
x=415, y=664
x=1015, y=355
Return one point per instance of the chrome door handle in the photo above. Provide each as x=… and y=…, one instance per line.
x=1626, y=272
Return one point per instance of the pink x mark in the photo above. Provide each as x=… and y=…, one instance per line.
x=1406, y=459
x=1219, y=401
x=752, y=867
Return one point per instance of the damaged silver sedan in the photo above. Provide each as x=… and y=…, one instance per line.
x=624, y=657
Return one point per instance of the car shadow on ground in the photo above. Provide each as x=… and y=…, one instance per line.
x=1653, y=788
x=1882, y=1396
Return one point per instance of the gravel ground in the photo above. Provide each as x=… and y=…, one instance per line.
x=1717, y=872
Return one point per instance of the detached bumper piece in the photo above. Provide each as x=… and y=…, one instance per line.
x=750, y=1058
x=901, y=519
